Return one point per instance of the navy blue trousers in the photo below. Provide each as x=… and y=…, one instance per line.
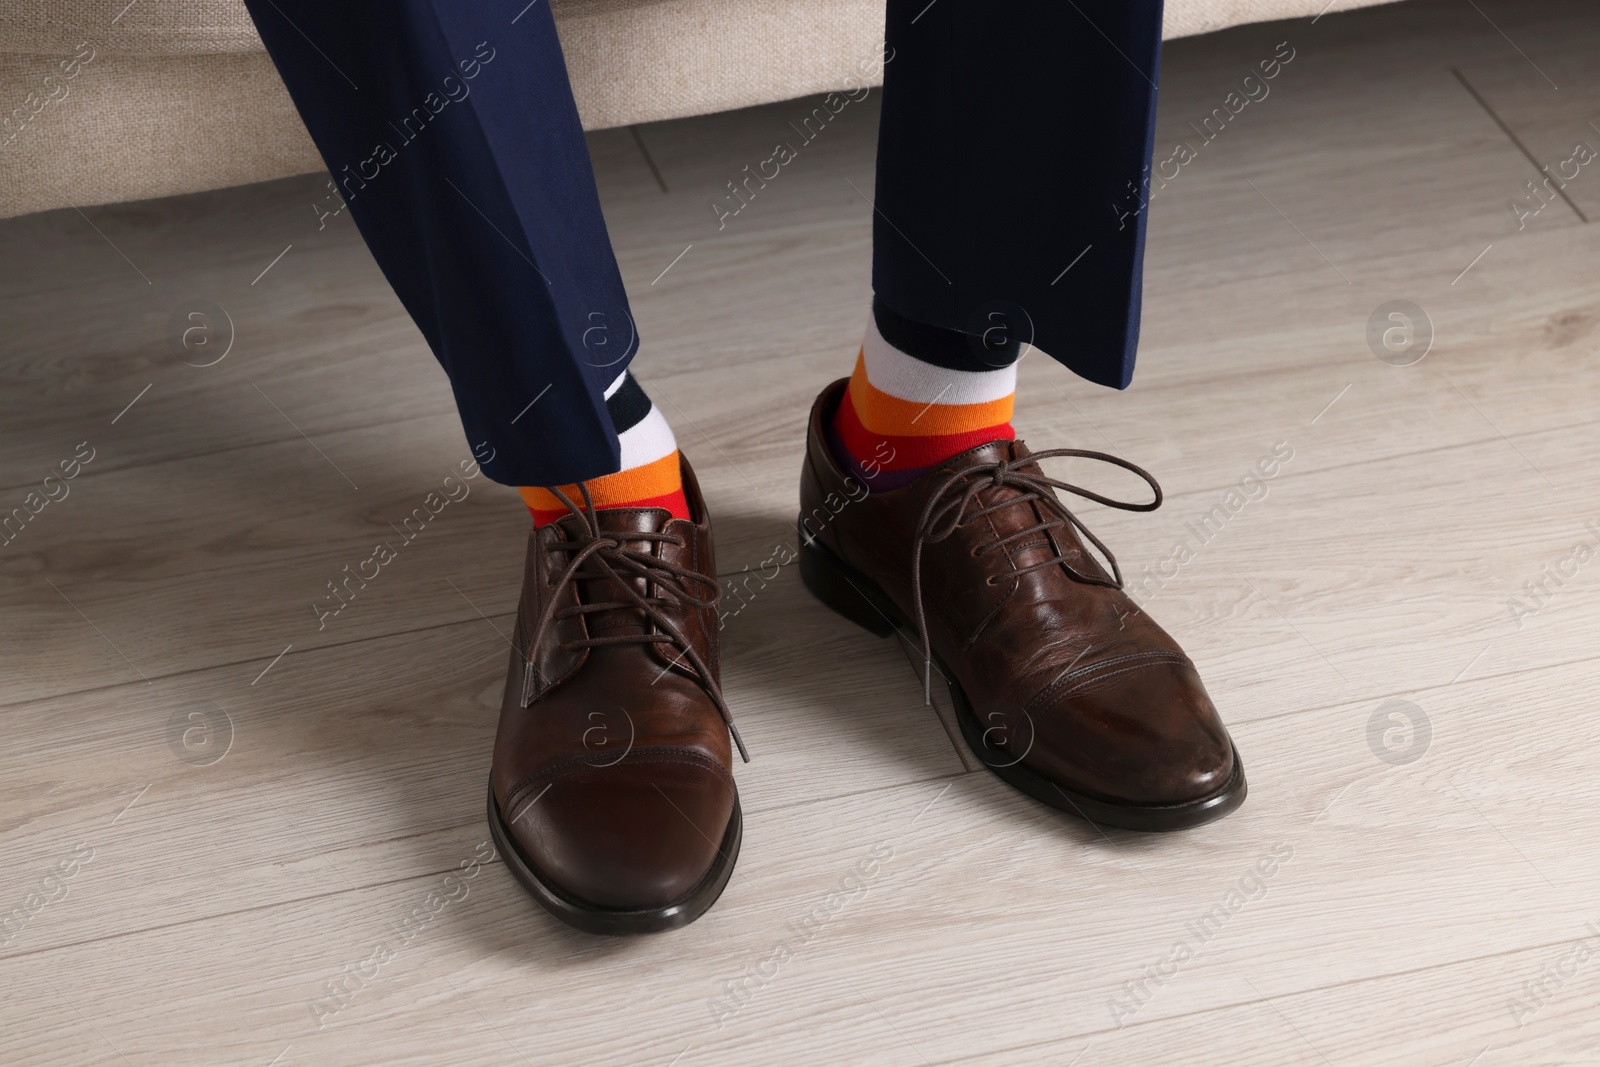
x=1013, y=137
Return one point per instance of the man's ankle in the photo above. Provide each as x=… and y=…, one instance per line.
x=919, y=395
x=650, y=476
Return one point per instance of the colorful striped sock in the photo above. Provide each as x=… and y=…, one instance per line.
x=650, y=476
x=919, y=395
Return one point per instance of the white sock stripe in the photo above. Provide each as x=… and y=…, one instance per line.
x=614, y=386
x=892, y=371
x=647, y=440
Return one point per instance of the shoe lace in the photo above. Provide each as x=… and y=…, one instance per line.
x=946, y=511
x=598, y=554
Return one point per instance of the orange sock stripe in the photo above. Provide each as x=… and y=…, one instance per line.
x=907, y=453
x=893, y=417
x=653, y=480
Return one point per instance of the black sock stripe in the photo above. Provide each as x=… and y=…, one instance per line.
x=629, y=405
x=950, y=349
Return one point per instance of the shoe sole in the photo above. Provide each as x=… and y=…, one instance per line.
x=609, y=921
x=851, y=594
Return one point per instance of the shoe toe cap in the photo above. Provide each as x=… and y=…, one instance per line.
x=641, y=834
x=1148, y=737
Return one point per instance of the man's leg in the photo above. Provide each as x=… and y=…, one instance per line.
x=1011, y=137
x=450, y=129
x=453, y=137
x=1007, y=153
x=1011, y=141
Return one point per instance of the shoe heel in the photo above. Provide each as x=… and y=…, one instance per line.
x=840, y=589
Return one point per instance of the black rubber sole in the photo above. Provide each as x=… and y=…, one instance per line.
x=851, y=594
x=594, y=920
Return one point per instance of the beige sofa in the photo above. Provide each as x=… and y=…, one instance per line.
x=107, y=100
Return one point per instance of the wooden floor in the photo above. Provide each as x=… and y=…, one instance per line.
x=214, y=811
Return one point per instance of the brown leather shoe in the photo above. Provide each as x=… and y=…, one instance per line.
x=611, y=797
x=1062, y=685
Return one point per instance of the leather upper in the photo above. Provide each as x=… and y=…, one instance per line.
x=1070, y=678
x=612, y=761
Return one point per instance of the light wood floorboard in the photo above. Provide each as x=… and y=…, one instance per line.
x=1414, y=906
